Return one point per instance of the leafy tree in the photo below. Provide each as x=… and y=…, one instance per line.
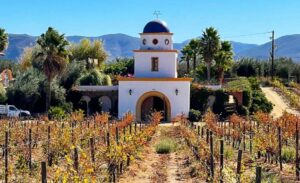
x=73, y=72
x=124, y=66
x=89, y=52
x=209, y=47
x=224, y=59
x=28, y=91
x=3, y=97
x=95, y=78
x=53, y=54
x=3, y=40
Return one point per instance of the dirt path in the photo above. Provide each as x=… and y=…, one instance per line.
x=152, y=167
x=279, y=105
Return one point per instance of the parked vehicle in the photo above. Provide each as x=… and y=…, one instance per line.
x=12, y=111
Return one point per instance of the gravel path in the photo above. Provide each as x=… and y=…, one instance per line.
x=279, y=104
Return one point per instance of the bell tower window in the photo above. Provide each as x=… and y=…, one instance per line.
x=154, y=64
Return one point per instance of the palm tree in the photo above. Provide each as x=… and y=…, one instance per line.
x=187, y=54
x=194, y=48
x=209, y=47
x=54, y=55
x=224, y=59
x=3, y=40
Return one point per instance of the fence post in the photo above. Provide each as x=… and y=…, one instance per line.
x=44, y=172
x=297, y=152
x=6, y=157
x=76, y=159
x=29, y=146
x=239, y=165
x=135, y=125
x=258, y=175
x=221, y=159
x=107, y=139
x=280, y=147
x=92, y=149
x=117, y=135
x=211, y=154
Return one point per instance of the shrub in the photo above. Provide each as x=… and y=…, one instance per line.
x=165, y=146
x=288, y=154
x=199, y=98
x=243, y=110
x=194, y=115
x=221, y=99
x=260, y=103
x=57, y=113
x=3, y=97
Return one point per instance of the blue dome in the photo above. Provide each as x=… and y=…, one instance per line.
x=156, y=26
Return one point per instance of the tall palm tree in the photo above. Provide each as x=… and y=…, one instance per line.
x=209, y=47
x=187, y=54
x=224, y=59
x=3, y=40
x=194, y=47
x=54, y=55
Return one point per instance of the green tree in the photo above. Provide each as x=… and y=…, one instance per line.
x=53, y=54
x=92, y=53
x=224, y=59
x=3, y=40
x=194, y=50
x=209, y=47
x=187, y=55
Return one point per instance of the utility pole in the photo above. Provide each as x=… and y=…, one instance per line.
x=272, y=55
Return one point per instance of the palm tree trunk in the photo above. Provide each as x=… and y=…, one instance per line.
x=194, y=61
x=208, y=66
x=221, y=76
x=48, y=95
x=187, y=64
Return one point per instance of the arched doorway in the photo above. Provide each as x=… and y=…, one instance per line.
x=105, y=103
x=150, y=102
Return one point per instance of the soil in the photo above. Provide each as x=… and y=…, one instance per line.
x=152, y=167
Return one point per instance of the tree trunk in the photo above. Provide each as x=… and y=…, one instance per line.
x=187, y=64
x=194, y=61
x=48, y=95
x=221, y=76
x=208, y=72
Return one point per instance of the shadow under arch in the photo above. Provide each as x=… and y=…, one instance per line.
x=163, y=97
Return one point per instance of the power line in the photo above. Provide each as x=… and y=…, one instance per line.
x=245, y=35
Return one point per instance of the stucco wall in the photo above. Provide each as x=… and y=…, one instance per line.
x=161, y=42
x=167, y=67
x=179, y=103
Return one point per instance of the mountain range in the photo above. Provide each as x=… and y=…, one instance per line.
x=121, y=45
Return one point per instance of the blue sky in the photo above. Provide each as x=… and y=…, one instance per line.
x=186, y=18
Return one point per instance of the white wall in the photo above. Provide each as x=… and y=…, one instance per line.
x=179, y=103
x=161, y=42
x=167, y=67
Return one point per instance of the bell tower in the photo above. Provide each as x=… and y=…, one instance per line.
x=156, y=57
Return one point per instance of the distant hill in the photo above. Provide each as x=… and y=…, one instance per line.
x=286, y=46
x=121, y=45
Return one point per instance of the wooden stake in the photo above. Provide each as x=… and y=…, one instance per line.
x=44, y=172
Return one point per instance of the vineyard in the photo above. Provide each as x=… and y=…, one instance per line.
x=98, y=149
x=79, y=150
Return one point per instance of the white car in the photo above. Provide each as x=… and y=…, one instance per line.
x=12, y=111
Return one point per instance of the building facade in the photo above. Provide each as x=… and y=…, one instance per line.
x=155, y=85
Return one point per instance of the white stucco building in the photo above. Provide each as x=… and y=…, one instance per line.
x=155, y=86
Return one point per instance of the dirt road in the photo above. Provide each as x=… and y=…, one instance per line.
x=279, y=104
x=159, y=168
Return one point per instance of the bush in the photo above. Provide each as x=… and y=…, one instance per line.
x=243, y=110
x=3, y=97
x=221, y=99
x=199, y=98
x=288, y=154
x=165, y=146
x=57, y=113
x=194, y=115
x=260, y=103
